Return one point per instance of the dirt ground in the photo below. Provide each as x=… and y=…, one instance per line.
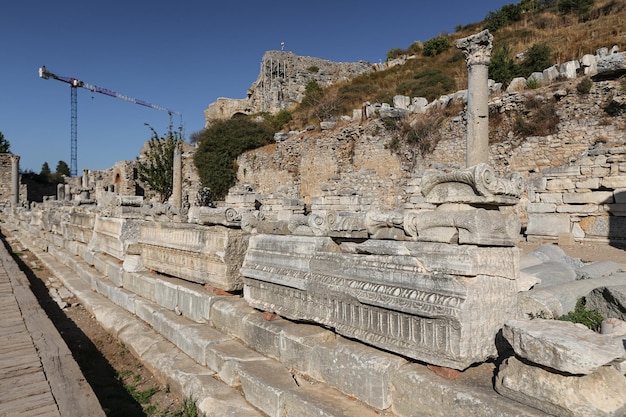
x=123, y=386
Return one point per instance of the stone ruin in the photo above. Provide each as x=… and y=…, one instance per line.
x=368, y=296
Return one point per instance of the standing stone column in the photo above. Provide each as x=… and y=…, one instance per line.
x=177, y=188
x=477, y=49
x=15, y=180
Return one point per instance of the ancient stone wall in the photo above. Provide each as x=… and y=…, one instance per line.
x=281, y=83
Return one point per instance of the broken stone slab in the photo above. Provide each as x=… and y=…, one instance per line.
x=550, y=225
x=465, y=227
x=556, y=300
x=225, y=216
x=392, y=302
x=611, y=65
x=609, y=301
x=613, y=327
x=552, y=253
x=202, y=254
x=549, y=273
x=599, y=270
x=114, y=235
x=561, y=345
x=474, y=185
x=440, y=397
x=599, y=394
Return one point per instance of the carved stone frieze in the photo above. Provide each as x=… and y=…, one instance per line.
x=477, y=48
x=472, y=226
x=225, y=216
x=474, y=185
x=436, y=303
x=202, y=254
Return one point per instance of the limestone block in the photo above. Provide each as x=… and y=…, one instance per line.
x=547, y=224
x=595, y=197
x=610, y=301
x=577, y=231
x=599, y=269
x=551, y=273
x=537, y=77
x=556, y=198
x=401, y=102
x=604, y=226
x=620, y=195
x=299, y=347
x=613, y=327
x=578, y=208
x=556, y=300
x=614, y=182
x=516, y=84
x=264, y=385
x=141, y=283
x=562, y=345
x=612, y=64
x=227, y=357
x=358, y=370
x=589, y=64
x=227, y=313
x=202, y=254
x=600, y=394
x=541, y=208
x=589, y=183
x=316, y=400
x=113, y=235
x=439, y=397
x=568, y=69
x=550, y=74
x=560, y=184
x=264, y=335
x=448, y=320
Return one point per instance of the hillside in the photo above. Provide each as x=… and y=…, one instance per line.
x=567, y=34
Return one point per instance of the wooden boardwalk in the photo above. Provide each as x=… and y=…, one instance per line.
x=38, y=375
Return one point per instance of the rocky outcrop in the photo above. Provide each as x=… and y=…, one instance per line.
x=282, y=81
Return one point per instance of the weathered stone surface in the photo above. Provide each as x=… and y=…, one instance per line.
x=540, y=224
x=600, y=394
x=433, y=316
x=113, y=235
x=612, y=64
x=561, y=345
x=597, y=197
x=610, y=301
x=439, y=397
x=196, y=253
x=556, y=300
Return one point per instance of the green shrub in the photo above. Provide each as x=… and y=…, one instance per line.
x=220, y=144
x=435, y=46
x=278, y=120
x=584, y=86
x=503, y=17
x=536, y=58
x=575, y=6
x=590, y=318
x=502, y=67
x=394, y=53
x=314, y=69
x=532, y=83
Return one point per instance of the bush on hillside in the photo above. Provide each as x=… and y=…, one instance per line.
x=536, y=58
x=219, y=146
x=502, y=67
x=506, y=15
x=435, y=46
x=575, y=6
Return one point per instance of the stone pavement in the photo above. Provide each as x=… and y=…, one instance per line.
x=38, y=375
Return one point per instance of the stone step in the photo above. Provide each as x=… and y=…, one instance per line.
x=215, y=347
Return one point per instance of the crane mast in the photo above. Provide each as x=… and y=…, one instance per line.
x=74, y=85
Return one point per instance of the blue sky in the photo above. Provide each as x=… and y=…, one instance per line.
x=180, y=55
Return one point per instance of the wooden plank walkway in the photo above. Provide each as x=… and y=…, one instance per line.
x=38, y=375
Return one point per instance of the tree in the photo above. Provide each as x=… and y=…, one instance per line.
x=435, y=46
x=4, y=144
x=62, y=169
x=45, y=174
x=219, y=146
x=502, y=67
x=156, y=168
x=536, y=58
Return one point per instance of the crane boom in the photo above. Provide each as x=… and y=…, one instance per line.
x=76, y=83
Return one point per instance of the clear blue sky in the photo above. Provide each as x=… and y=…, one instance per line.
x=181, y=55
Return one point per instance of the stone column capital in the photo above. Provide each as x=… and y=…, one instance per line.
x=14, y=158
x=477, y=48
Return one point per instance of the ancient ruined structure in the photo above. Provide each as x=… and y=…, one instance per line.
x=281, y=83
x=297, y=295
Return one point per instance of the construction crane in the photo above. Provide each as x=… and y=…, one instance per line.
x=74, y=84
